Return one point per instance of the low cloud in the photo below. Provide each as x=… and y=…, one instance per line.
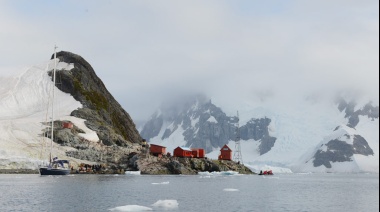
x=146, y=52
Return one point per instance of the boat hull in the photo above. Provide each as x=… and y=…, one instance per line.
x=50, y=171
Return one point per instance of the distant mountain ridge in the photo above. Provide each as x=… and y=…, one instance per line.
x=353, y=115
x=341, y=149
x=200, y=123
x=206, y=126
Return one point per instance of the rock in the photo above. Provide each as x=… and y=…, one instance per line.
x=186, y=166
x=102, y=112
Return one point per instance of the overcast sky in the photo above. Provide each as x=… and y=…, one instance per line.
x=148, y=51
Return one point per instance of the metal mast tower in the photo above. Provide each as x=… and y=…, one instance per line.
x=237, y=154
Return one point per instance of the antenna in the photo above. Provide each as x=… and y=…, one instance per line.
x=52, y=103
x=237, y=154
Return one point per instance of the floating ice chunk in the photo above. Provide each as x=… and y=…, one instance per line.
x=133, y=172
x=204, y=173
x=166, y=204
x=223, y=173
x=230, y=189
x=162, y=183
x=131, y=208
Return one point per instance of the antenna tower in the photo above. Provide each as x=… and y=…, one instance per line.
x=237, y=154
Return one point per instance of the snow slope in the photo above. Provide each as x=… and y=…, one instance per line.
x=24, y=100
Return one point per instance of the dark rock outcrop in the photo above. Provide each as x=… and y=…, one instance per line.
x=341, y=151
x=103, y=113
x=257, y=129
x=353, y=115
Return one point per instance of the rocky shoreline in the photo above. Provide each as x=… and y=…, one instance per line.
x=19, y=171
x=152, y=165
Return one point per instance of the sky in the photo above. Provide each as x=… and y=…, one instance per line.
x=147, y=52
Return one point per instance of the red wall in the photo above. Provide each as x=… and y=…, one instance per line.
x=156, y=149
x=67, y=125
x=225, y=153
x=201, y=153
x=179, y=152
x=198, y=153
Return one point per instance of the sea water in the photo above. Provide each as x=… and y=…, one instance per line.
x=204, y=192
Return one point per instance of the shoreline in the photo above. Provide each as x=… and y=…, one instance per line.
x=19, y=171
x=35, y=171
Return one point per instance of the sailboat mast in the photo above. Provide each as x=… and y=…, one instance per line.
x=52, y=103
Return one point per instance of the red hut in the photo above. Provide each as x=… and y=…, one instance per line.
x=198, y=152
x=157, y=150
x=183, y=152
x=67, y=125
x=201, y=153
x=225, y=153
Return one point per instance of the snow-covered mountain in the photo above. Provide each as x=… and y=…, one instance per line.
x=317, y=133
x=23, y=109
x=102, y=131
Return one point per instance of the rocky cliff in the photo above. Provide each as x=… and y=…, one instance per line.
x=103, y=113
x=117, y=133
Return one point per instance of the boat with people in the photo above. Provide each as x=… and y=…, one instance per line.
x=55, y=166
x=266, y=172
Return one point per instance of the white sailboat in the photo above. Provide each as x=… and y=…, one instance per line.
x=55, y=167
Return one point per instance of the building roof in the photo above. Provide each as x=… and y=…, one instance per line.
x=185, y=148
x=157, y=145
x=196, y=148
x=225, y=146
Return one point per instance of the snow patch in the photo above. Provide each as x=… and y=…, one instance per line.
x=212, y=119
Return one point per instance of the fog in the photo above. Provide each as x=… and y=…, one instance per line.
x=147, y=52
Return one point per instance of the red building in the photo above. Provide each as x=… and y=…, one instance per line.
x=157, y=150
x=198, y=152
x=183, y=152
x=225, y=153
x=67, y=125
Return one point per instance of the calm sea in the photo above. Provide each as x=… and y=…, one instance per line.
x=280, y=192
